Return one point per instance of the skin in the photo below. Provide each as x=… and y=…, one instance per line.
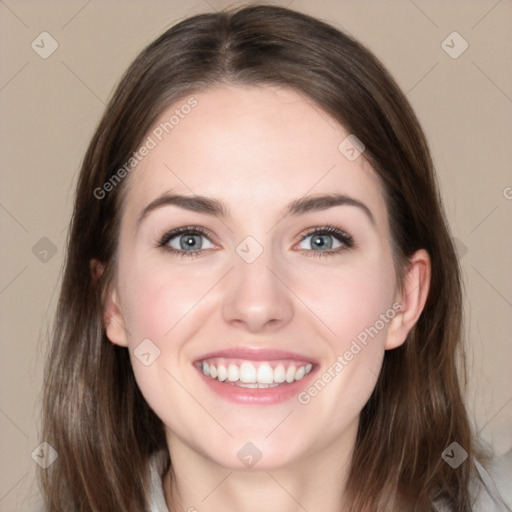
x=257, y=149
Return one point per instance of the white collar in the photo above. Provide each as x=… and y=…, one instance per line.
x=157, y=499
x=486, y=497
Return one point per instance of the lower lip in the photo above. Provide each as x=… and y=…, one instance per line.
x=257, y=396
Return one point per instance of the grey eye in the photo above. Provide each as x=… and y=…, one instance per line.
x=321, y=241
x=188, y=242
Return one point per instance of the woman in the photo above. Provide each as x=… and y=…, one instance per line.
x=202, y=360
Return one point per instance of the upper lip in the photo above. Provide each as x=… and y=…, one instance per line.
x=256, y=354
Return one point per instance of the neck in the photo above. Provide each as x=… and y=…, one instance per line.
x=313, y=482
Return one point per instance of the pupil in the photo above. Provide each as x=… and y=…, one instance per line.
x=189, y=241
x=319, y=241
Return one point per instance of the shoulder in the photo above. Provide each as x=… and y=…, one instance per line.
x=485, y=496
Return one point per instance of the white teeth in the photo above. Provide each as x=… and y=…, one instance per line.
x=265, y=374
x=279, y=374
x=246, y=375
x=222, y=372
x=300, y=373
x=290, y=374
x=233, y=373
x=254, y=385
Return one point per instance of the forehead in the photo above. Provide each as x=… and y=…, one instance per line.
x=262, y=146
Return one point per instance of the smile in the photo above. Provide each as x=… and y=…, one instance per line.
x=254, y=374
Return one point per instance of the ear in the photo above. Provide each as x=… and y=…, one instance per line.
x=112, y=316
x=96, y=268
x=114, y=321
x=412, y=299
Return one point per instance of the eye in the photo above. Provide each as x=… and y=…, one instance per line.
x=186, y=241
x=326, y=241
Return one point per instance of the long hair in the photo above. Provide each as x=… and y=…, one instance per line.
x=93, y=412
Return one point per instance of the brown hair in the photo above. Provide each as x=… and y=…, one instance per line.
x=93, y=412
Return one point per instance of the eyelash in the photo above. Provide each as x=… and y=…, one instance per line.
x=191, y=230
x=343, y=237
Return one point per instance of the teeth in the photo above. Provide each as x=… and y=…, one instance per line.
x=233, y=373
x=222, y=372
x=265, y=374
x=254, y=385
x=257, y=375
x=290, y=374
x=279, y=374
x=300, y=373
x=248, y=373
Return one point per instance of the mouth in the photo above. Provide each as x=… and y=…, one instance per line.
x=255, y=376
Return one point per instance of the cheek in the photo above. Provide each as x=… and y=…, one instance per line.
x=356, y=306
x=156, y=300
x=354, y=352
x=351, y=301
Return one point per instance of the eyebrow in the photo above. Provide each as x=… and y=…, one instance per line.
x=216, y=208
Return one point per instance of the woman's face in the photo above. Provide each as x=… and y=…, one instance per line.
x=288, y=321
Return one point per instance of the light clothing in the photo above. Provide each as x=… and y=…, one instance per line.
x=486, y=497
x=157, y=503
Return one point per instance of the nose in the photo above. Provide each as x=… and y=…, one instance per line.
x=256, y=296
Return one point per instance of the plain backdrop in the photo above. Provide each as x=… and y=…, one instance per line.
x=50, y=105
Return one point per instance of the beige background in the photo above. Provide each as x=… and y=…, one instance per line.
x=49, y=109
